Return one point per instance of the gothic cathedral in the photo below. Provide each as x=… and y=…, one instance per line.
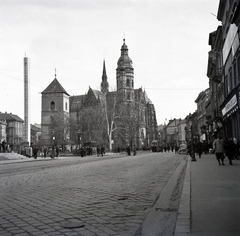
x=137, y=124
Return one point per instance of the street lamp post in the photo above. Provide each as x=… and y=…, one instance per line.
x=79, y=138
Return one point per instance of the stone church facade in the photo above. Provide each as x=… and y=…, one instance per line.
x=134, y=102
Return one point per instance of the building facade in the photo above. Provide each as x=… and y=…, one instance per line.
x=202, y=101
x=14, y=126
x=35, y=133
x=224, y=72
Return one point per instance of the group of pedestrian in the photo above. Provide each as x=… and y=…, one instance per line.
x=43, y=151
x=3, y=146
x=128, y=150
x=100, y=150
x=229, y=148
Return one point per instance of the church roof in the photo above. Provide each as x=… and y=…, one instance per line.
x=55, y=87
x=147, y=98
x=142, y=96
x=98, y=94
x=76, y=102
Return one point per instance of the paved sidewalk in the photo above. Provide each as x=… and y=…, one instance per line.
x=215, y=197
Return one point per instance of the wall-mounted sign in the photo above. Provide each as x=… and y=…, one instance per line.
x=230, y=105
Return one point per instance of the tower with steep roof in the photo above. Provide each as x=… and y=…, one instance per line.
x=55, y=101
x=104, y=83
x=125, y=75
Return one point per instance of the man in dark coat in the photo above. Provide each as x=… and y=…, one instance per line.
x=229, y=148
x=199, y=148
x=35, y=151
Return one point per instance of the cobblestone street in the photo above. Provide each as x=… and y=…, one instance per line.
x=82, y=196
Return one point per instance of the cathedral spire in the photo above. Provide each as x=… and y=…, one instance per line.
x=104, y=83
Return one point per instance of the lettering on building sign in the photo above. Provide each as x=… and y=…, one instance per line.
x=229, y=105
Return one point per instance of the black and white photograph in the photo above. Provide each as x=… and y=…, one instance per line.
x=119, y=117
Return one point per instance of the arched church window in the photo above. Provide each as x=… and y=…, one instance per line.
x=52, y=106
x=129, y=96
x=66, y=107
x=132, y=84
x=128, y=83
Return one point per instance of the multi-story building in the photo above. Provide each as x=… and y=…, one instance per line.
x=181, y=132
x=202, y=101
x=231, y=68
x=224, y=72
x=172, y=133
x=14, y=130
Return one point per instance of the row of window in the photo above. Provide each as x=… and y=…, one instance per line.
x=233, y=77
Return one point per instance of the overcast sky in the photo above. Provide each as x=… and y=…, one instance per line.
x=167, y=42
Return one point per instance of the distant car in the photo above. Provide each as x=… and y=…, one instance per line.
x=183, y=149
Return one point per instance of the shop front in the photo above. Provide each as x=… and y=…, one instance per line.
x=231, y=116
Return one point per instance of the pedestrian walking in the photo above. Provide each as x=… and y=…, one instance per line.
x=98, y=150
x=35, y=152
x=45, y=151
x=236, y=147
x=53, y=154
x=4, y=145
x=229, y=148
x=41, y=152
x=102, y=150
x=218, y=149
x=199, y=148
x=134, y=150
x=128, y=150
x=57, y=151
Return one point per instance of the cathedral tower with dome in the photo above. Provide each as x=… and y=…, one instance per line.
x=125, y=75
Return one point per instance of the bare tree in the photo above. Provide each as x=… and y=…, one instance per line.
x=129, y=123
x=60, y=127
x=112, y=114
x=92, y=123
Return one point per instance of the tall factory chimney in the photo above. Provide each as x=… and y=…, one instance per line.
x=27, y=128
